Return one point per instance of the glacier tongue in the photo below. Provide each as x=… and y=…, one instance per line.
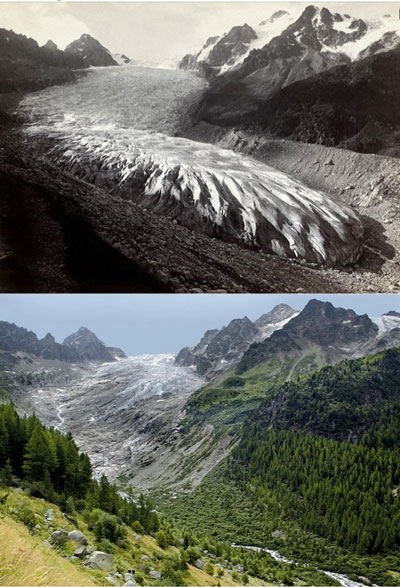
x=217, y=191
x=98, y=129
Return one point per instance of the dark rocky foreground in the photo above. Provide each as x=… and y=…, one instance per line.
x=61, y=234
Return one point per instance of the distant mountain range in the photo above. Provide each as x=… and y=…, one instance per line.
x=324, y=77
x=79, y=347
x=336, y=333
x=25, y=66
x=283, y=49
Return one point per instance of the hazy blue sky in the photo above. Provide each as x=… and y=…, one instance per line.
x=154, y=31
x=142, y=324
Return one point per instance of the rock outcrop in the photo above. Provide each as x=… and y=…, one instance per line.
x=101, y=561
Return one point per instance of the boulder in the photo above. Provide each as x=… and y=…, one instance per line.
x=130, y=583
x=77, y=536
x=80, y=551
x=112, y=581
x=155, y=574
x=101, y=561
x=145, y=558
x=58, y=537
x=199, y=564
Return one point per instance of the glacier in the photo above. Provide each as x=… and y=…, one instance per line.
x=116, y=129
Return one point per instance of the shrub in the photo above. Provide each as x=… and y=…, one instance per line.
x=109, y=527
x=106, y=546
x=137, y=527
x=25, y=515
x=161, y=538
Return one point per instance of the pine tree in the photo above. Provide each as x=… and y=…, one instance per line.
x=40, y=458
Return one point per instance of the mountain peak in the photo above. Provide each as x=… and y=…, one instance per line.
x=91, y=347
x=91, y=51
x=50, y=45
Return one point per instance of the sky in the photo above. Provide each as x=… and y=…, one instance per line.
x=154, y=32
x=158, y=323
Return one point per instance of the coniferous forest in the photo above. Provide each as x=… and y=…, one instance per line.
x=328, y=449
x=51, y=466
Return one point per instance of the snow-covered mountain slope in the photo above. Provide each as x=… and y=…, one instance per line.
x=387, y=322
x=315, y=41
x=221, y=53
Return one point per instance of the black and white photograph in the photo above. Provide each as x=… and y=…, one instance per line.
x=199, y=147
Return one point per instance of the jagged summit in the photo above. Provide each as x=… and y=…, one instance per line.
x=78, y=347
x=335, y=333
x=220, y=348
x=318, y=37
x=51, y=45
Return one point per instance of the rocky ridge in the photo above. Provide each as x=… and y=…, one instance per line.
x=287, y=47
x=78, y=347
x=337, y=332
x=219, y=349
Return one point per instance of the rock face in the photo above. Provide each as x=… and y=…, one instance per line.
x=91, y=52
x=101, y=561
x=79, y=347
x=337, y=332
x=87, y=345
x=219, y=349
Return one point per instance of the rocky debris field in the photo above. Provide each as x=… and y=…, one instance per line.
x=58, y=233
